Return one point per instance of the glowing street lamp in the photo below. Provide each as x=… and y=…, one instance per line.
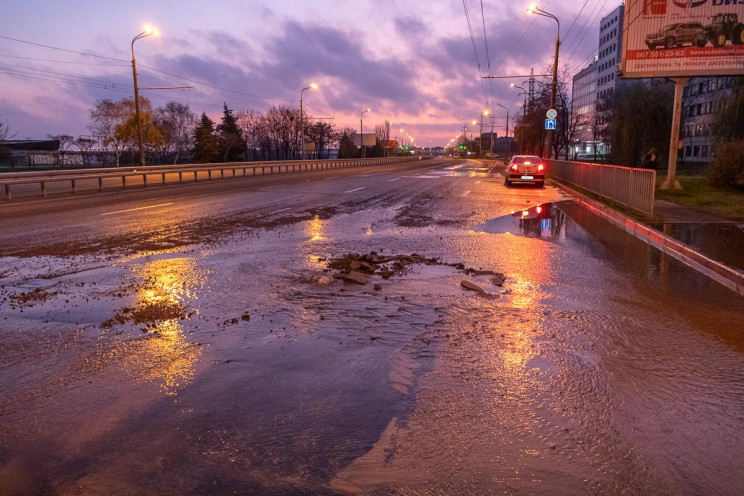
x=533, y=9
x=302, y=122
x=148, y=31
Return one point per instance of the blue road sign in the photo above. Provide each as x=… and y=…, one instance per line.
x=549, y=123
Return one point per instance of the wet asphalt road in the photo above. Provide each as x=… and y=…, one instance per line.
x=182, y=341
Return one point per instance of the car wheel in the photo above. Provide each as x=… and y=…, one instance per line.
x=719, y=40
x=670, y=42
x=701, y=42
x=651, y=46
x=541, y=185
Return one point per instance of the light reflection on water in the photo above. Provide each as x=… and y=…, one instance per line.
x=166, y=356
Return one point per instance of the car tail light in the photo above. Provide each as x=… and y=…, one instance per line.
x=538, y=209
x=514, y=167
x=540, y=167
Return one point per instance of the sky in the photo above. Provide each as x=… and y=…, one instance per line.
x=413, y=63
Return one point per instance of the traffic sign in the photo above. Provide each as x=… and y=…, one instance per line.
x=551, y=114
x=549, y=123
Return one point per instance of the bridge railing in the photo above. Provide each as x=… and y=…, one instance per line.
x=634, y=188
x=11, y=181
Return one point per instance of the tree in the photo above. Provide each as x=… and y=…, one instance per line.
x=640, y=119
x=176, y=122
x=249, y=123
x=230, y=138
x=6, y=133
x=729, y=124
x=346, y=146
x=126, y=132
x=85, y=145
x=65, y=142
x=323, y=135
x=205, y=141
x=105, y=117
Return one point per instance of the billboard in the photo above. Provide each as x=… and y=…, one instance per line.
x=370, y=139
x=678, y=38
x=389, y=143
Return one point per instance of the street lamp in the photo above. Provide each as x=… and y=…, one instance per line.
x=302, y=122
x=533, y=9
x=149, y=31
x=361, y=130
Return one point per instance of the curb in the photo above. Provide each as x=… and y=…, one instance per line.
x=722, y=274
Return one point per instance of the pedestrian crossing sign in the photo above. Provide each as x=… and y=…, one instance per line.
x=549, y=123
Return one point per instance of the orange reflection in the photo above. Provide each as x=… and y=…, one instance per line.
x=164, y=355
x=315, y=229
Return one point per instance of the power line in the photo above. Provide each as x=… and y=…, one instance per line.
x=62, y=49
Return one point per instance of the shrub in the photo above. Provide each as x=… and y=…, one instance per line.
x=727, y=169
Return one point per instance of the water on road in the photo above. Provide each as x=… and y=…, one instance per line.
x=238, y=364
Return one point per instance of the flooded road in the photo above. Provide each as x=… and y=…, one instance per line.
x=206, y=347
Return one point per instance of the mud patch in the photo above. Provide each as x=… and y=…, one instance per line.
x=148, y=313
x=30, y=298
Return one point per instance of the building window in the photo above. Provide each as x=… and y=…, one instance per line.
x=704, y=151
x=688, y=151
x=695, y=151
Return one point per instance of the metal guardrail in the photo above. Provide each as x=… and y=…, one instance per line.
x=634, y=188
x=235, y=169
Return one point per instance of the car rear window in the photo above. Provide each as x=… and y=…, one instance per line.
x=530, y=159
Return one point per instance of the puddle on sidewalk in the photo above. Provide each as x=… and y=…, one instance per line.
x=722, y=242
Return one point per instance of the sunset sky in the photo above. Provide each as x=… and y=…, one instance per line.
x=411, y=62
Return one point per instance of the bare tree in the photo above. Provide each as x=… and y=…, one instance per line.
x=176, y=122
x=105, y=118
x=6, y=133
x=65, y=142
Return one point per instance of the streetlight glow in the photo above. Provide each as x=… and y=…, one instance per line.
x=532, y=8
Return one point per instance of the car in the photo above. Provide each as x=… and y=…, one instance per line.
x=676, y=35
x=526, y=169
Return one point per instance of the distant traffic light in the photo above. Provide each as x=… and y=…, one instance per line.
x=405, y=147
x=462, y=147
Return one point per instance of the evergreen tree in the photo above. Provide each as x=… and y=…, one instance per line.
x=205, y=141
x=230, y=138
x=346, y=146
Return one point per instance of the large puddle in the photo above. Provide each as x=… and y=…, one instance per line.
x=246, y=367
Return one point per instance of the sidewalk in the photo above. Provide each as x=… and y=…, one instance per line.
x=709, y=244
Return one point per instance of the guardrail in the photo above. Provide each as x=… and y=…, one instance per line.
x=235, y=169
x=634, y=188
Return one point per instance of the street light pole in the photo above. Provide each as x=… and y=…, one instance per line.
x=147, y=32
x=302, y=122
x=535, y=10
x=480, y=143
x=361, y=131
x=524, y=113
x=507, y=121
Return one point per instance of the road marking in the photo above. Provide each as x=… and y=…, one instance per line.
x=355, y=189
x=332, y=177
x=139, y=208
x=281, y=210
x=396, y=179
x=477, y=182
x=465, y=194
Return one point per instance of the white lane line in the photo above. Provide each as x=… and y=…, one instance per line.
x=355, y=189
x=465, y=194
x=396, y=179
x=477, y=182
x=139, y=208
x=332, y=177
x=281, y=210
